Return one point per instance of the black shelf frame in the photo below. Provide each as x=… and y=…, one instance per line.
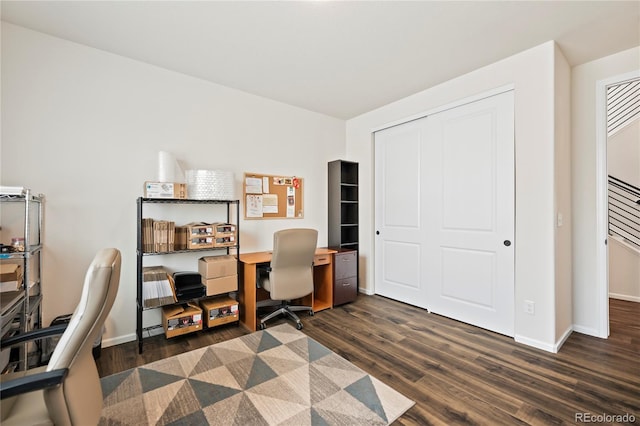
x=140, y=254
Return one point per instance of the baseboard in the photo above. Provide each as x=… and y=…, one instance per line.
x=588, y=331
x=366, y=291
x=118, y=340
x=624, y=297
x=563, y=339
x=131, y=337
x=536, y=344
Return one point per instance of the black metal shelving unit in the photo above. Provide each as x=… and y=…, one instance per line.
x=140, y=254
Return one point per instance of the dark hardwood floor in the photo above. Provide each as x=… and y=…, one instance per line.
x=457, y=373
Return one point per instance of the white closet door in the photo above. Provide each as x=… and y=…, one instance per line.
x=445, y=212
x=399, y=213
x=470, y=178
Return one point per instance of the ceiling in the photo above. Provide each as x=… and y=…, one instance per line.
x=339, y=58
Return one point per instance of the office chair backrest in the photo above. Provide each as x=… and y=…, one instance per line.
x=79, y=400
x=291, y=273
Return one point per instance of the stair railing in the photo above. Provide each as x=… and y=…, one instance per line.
x=624, y=211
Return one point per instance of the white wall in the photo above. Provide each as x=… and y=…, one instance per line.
x=586, y=293
x=624, y=271
x=563, y=277
x=532, y=73
x=623, y=153
x=84, y=127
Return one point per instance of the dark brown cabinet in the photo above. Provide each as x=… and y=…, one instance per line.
x=343, y=228
x=345, y=276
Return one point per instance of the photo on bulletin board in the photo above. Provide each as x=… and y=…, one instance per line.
x=272, y=196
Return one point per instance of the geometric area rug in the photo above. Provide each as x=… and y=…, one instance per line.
x=277, y=376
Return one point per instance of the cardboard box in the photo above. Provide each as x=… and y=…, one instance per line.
x=219, y=311
x=221, y=285
x=165, y=190
x=200, y=229
x=181, y=319
x=181, y=237
x=220, y=228
x=217, y=266
x=10, y=276
x=225, y=234
x=228, y=241
x=199, y=235
x=200, y=243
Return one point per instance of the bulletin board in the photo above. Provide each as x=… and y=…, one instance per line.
x=272, y=196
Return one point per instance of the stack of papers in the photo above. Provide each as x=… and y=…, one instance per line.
x=156, y=289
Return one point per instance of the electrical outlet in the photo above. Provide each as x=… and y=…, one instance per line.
x=529, y=307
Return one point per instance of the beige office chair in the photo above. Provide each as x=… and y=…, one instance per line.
x=67, y=391
x=290, y=274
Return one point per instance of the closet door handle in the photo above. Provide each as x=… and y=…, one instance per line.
x=507, y=243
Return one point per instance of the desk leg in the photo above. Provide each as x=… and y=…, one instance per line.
x=247, y=296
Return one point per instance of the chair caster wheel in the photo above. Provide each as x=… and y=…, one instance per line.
x=299, y=326
x=262, y=326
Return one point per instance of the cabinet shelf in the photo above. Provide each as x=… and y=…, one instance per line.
x=141, y=254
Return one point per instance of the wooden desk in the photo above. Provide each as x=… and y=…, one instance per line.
x=248, y=293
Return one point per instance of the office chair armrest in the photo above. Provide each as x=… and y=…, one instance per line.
x=37, y=334
x=32, y=382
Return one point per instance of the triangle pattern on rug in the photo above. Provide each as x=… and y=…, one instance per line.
x=218, y=376
x=364, y=391
x=153, y=379
x=209, y=394
x=156, y=401
x=223, y=412
x=343, y=405
x=127, y=412
x=248, y=414
x=195, y=418
x=183, y=404
x=208, y=360
x=121, y=386
x=267, y=342
x=280, y=389
x=260, y=373
x=282, y=359
x=273, y=410
x=276, y=376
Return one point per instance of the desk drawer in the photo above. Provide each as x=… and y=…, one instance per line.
x=321, y=259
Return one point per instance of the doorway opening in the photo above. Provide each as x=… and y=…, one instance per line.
x=618, y=215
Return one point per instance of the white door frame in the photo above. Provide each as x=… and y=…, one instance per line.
x=602, y=201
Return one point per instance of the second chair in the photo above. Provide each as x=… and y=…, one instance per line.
x=290, y=274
